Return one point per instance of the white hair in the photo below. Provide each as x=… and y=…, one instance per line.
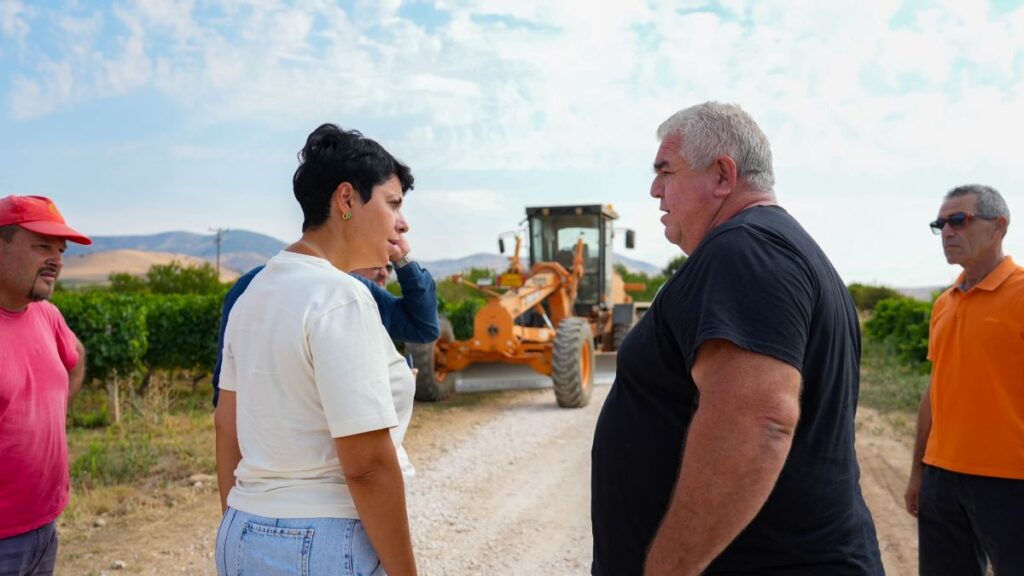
x=714, y=129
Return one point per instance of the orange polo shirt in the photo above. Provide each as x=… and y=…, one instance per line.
x=976, y=345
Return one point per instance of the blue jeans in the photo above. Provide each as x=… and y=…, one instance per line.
x=33, y=553
x=256, y=545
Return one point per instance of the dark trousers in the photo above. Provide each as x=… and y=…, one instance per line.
x=965, y=521
x=33, y=553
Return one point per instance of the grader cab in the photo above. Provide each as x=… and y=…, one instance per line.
x=551, y=317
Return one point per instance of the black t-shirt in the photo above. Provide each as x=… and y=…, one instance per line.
x=761, y=282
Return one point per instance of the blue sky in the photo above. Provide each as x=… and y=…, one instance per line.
x=153, y=115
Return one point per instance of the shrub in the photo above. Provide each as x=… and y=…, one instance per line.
x=866, y=297
x=112, y=327
x=182, y=332
x=461, y=315
x=903, y=323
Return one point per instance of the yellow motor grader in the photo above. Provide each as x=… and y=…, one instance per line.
x=551, y=317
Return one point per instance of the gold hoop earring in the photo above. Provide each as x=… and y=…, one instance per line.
x=346, y=216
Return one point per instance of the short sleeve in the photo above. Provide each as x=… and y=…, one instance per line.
x=65, y=339
x=348, y=347
x=227, y=379
x=754, y=291
x=938, y=309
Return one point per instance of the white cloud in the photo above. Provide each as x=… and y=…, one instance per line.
x=446, y=223
x=13, y=20
x=377, y=11
x=82, y=72
x=906, y=99
x=54, y=88
x=518, y=85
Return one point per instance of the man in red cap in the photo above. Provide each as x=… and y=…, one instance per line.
x=42, y=365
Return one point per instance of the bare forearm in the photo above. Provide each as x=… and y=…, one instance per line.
x=729, y=468
x=924, y=428
x=77, y=374
x=229, y=454
x=228, y=457
x=75, y=379
x=380, y=501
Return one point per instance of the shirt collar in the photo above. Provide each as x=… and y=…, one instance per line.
x=994, y=278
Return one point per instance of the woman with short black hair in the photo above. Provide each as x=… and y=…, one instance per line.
x=315, y=399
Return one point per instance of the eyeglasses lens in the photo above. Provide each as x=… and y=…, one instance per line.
x=956, y=221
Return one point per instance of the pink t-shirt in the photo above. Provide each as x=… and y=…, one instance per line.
x=37, y=349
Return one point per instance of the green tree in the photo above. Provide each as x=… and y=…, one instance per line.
x=125, y=283
x=651, y=283
x=673, y=265
x=175, y=278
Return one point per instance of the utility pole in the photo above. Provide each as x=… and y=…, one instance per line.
x=218, y=239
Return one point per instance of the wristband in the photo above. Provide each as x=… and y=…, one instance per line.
x=403, y=262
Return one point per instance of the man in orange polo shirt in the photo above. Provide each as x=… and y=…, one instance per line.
x=967, y=480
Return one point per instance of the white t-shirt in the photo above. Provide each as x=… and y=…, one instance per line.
x=309, y=360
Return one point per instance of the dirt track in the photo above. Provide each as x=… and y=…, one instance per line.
x=502, y=488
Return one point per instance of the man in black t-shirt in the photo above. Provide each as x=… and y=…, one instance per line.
x=726, y=445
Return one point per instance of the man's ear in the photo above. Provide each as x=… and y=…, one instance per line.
x=1002, y=226
x=726, y=175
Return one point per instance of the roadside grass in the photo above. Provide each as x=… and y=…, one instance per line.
x=164, y=439
x=890, y=386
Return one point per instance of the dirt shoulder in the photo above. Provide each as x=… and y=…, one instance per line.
x=884, y=450
x=502, y=487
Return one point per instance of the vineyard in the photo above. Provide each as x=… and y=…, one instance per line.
x=165, y=325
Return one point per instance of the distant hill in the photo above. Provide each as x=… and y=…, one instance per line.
x=96, y=268
x=242, y=250
x=638, y=265
x=447, y=267
x=921, y=293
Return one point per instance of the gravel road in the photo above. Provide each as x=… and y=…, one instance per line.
x=512, y=497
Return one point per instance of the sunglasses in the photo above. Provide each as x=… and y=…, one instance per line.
x=958, y=220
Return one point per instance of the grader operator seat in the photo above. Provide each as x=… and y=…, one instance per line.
x=587, y=295
x=554, y=231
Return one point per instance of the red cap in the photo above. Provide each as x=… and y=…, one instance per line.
x=40, y=215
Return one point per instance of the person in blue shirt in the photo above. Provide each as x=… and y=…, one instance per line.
x=409, y=318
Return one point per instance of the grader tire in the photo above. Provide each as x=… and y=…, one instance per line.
x=433, y=382
x=619, y=332
x=572, y=366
